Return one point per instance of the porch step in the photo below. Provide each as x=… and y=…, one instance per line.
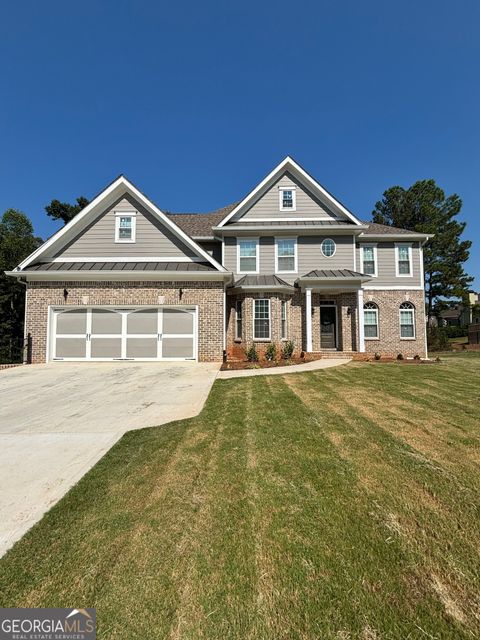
x=336, y=354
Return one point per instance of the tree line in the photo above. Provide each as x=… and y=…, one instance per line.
x=423, y=208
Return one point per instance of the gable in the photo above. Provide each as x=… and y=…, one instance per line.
x=267, y=206
x=152, y=238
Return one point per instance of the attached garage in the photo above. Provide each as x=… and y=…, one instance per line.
x=123, y=333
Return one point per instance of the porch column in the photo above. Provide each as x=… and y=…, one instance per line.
x=361, y=325
x=308, y=313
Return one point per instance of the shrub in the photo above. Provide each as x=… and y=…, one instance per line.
x=287, y=350
x=252, y=353
x=455, y=332
x=437, y=339
x=400, y=356
x=377, y=356
x=416, y=357
x=271, y=352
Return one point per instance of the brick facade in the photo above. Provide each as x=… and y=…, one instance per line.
x=207, y=295
x=388, y=302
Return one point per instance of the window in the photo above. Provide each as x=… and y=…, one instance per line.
x=407, y=320
x=286, y=255
x=261, y=319
x=283, y=321
x=404, y=259
x=328, y=247
x=124, y=227
x=369, y=259
x=287, y=199
x=248, y=255
x=238, y=320
x=370, y=320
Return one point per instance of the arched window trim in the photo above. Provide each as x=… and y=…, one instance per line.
x=371, y=329
x=406, y=311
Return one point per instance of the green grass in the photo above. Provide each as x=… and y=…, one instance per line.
x=338, y=504
x=459, y=340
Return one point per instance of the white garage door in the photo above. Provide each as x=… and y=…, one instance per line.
x=142, y=333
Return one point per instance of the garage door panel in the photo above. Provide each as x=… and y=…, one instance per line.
x=106, y=321
x=177, y=347
x=106, y=348
x=73, y=321
x=144, y=321
x=177, y=321
x=142, y=347
x=70, y=348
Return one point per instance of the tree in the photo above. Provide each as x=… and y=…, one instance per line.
x=424, y=208
x=16, y=243
x=63, y=210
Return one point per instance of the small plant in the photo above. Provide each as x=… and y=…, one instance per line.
x=251, y=353
x=254, y=365
x=271, y=352
x=416, y=357
x=400, y=356
x=287, y=350
x=438, y=359
x=377, y=356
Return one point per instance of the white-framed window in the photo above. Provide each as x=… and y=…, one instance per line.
x=286, y=255
x=261, y=319
x=247, y=256
x=370, y=320
x=328, y=247
x=283, y=320
x=287, y=199
x=403, y=260
x=125, y=227
x=238, y=320
x=407, y=321
x=368, y=259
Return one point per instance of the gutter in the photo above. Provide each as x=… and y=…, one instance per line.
x=122, y=276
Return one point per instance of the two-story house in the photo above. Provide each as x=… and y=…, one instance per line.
x=126, y=281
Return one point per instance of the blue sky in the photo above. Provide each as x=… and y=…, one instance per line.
x=196, y=102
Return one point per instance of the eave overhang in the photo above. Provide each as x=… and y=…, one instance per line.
x=121, y=276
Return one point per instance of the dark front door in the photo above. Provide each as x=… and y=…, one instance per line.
x=328, y=328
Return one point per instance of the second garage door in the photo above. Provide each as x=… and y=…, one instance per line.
x=141, y=333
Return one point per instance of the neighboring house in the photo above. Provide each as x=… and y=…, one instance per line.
x=460, y=315
x=125, y=280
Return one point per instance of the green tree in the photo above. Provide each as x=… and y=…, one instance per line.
x=64, y=211
x=424, y=208
x=16, y=243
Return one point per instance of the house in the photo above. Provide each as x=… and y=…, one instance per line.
x=126, y=280
x=460, y=315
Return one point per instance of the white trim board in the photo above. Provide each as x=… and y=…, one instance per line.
x=289, y=164
x=107, y=197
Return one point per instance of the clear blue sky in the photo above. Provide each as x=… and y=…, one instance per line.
x=196, y=101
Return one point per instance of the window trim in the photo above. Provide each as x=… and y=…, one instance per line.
x=269, y=320
x=280, y=198
x=283, y=306
x=257, y=254
x=377, y=315
x=295, y=254
x=125, y=214
x=238, y=304
x=413, y=311
x=334, y=244
x=397, y=259
x=372, y=245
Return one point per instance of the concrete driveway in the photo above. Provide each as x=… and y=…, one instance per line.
x=57, y=420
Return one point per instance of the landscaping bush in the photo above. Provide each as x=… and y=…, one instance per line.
x=377, y=356
x=400, y=356
x=251, y=353
x=287, y=350
x=456, y=332
x=271, y=352
x=437, y=339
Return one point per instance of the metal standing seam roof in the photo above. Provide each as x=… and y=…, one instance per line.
x=262, y=281
x=291, y=223
x=120, y=266
x=333, y=274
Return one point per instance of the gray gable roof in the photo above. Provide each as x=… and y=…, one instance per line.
x=120, y=266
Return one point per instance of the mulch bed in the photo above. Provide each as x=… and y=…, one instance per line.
x=233, y=365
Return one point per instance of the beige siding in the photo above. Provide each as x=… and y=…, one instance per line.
x=386, y=266
x=309, y=255
x=308, y=206
x=152, y=238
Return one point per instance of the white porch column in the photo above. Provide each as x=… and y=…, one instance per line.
x=361, y=324
x=308, y=313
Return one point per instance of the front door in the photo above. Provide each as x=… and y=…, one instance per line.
x=328, y=328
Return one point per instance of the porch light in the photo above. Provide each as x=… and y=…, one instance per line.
x=65, y=294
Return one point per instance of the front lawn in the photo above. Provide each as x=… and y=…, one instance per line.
x=337, y=504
